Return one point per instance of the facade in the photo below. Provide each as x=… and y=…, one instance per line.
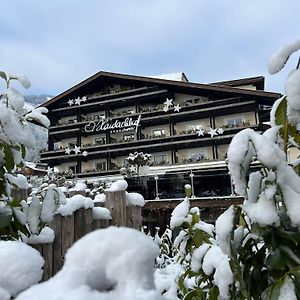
x=186, y=127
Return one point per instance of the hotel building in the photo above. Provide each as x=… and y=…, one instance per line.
x=185, y=126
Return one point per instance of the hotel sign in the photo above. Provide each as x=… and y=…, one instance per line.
x=113, y=125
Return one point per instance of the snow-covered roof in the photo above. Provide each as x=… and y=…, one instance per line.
x=172, y=76
x=36, y=166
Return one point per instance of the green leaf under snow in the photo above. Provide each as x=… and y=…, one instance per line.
x=5, y=219
x=3, y=75
x=213, y=293
x=198, y=237
x=194, y=295
x=276, y=261
x=280, y=119
x=9, y=158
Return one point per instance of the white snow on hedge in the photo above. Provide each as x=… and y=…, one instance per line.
x=37, y=114
x=278, y=60
x=53, y=198
x=264, y=210
x=46, y=236
x=135, y=199
x=179, y=214
x=113, y=263
x=166, y=280
x=292, y=89
x=100, y=198
x=74, y=203
x=79, y=186
x=15, y=99
x=224, y=226
x=215, y=259
x=19, y=180
x=101, y=213
x=197, y=256
x=287, y=291
x=208, y=228
x=292, y=203
x=21, y=267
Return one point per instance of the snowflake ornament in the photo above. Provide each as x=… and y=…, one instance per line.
x=84, y=153
x=132, y=169
x=220, y=130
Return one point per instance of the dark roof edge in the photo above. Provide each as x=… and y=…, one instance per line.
x=257, y=80
x=212, y=87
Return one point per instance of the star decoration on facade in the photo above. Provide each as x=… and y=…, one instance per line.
x=83, y=99
x=77, y=149
x=77, y=101
x=177, y=107
x=220, y=130
x=168, y=102
x=212, y=132
x=165, y=109
x=68, y=150
x=71, y=102
x=201, y=132
x=84, y=153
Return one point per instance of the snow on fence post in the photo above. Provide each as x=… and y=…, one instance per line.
x=116, y=203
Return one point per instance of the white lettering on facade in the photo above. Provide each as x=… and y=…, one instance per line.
x=103, y=125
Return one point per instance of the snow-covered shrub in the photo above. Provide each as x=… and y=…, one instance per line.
x=112, y=263
x=136, y=161
x=253, y=252
x=196, y=257
x=17, y=217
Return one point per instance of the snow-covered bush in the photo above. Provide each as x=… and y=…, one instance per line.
x=17, y=217
x=253, y=251
x=136, y=161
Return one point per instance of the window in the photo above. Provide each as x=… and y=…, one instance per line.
x=197, y=156
x=193, y=128
x=158, y=132
x=234, y=121
x=100, y=140
x=128, y=137
x=72, y=144
x=72, y=169
x=160, y=159
x=100, y=166
x=57, y=145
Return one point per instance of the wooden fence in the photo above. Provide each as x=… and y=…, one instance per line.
x=71, y=228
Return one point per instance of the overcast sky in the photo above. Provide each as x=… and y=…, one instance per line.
x=58, y=43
